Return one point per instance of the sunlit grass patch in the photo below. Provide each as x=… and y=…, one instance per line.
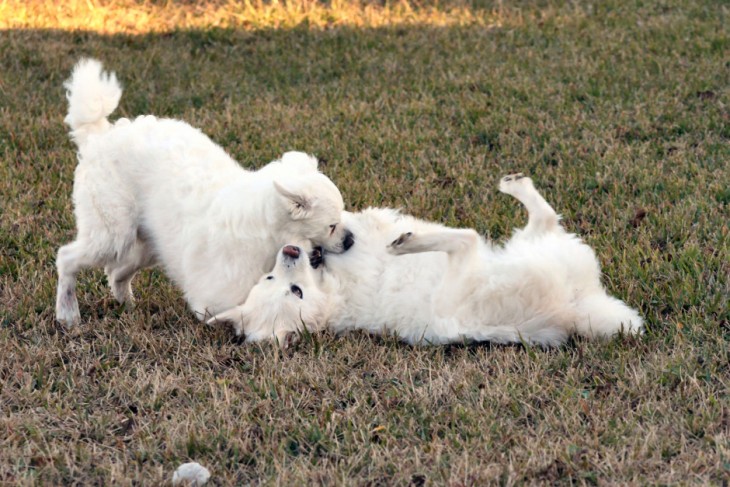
x=126, y=16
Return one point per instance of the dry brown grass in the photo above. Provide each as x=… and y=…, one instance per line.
x=619, y=112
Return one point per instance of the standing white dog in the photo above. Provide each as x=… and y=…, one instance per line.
x=427, y=283
x=158, y=190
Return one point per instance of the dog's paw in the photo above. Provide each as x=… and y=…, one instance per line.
x=514, y=183
x=397, y=245
x=233, y=316
x=67, y=308
x=122, y=292
x=288, y=340
x=316, y=257
x=238, y=339
x=68, y=319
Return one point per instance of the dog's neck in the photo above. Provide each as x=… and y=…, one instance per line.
x=265, y=211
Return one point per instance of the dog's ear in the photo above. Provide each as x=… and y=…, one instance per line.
x=298, y=203
x=235, y=316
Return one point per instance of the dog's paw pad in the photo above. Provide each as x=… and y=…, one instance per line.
x=404, y=237
x=239, y=339
x=316, y=257
x=513, y=177
x=512, y=183
x=290, y=341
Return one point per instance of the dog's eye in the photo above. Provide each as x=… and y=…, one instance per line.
x=268, y=278
x=297, y=291
x=332, y=228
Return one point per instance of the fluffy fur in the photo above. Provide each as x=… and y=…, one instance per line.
x=427, y=283
x=159, y=191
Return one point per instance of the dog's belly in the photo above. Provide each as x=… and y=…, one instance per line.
x=397, y=295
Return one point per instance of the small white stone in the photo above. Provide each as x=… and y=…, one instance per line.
x=192, y=474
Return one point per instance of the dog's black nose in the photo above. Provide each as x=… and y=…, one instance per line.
x=291, y=251
x=348, y=240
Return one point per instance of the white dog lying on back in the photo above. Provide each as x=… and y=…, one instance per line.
x=158, y=190
x=427, y=283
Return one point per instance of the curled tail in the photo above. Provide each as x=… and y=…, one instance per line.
x=93, y=94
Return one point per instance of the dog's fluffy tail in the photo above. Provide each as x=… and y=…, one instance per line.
x=93, y=94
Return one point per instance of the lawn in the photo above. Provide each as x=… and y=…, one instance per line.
x=620, y=112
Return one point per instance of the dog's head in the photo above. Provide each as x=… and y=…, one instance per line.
x=314, y=204
x=284, y=301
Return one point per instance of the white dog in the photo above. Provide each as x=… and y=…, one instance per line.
x=159, y=191
x=427, y=283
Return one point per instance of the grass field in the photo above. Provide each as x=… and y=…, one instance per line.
x=620, y=111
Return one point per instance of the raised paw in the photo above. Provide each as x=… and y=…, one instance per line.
x=402, y=239
x=514, y=183
x=316, y=257
x=513, y=177
x=403, y=244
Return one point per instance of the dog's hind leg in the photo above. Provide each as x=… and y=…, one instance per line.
x=70, y=260
x=121, y=273
x=541, y=216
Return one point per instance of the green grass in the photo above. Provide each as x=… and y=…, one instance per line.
x=619, y=112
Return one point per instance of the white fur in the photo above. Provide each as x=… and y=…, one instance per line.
x=159, y=191
x=427, y=283
x=192, y=474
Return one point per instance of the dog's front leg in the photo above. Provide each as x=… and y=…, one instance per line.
x=461, y=246
x=235, y=316
x=455, y=242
